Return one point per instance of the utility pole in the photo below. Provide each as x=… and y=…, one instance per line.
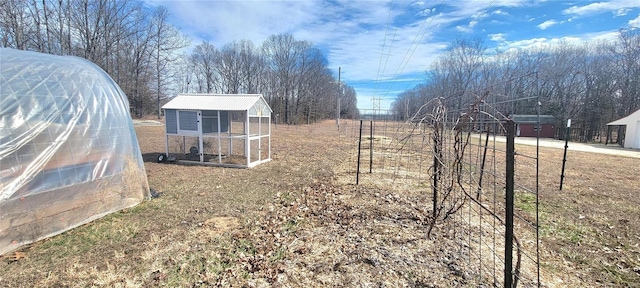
x=338, y=101
x=376, y=105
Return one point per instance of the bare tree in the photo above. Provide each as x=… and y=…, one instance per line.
x=282, y=54
x=167, y=40
x=252, y=67
x=229, y=67
x=627, y=55
x=204, y=60
x=14, y=24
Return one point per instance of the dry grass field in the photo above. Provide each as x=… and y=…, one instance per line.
x=298, y=221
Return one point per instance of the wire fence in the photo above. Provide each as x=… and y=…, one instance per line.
x=484, y=190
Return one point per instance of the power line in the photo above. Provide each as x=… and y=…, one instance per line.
x=395, y=33
x=415, y=45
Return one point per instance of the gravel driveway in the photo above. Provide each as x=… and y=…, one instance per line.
x=575, y=146
x=139, y=122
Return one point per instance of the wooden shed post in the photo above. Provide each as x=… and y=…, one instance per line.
x=200, y=144
x=269, y=123
x=259, y=136
x=247, y=142
x=166, y=144
x=219, y=145
x=230, y=128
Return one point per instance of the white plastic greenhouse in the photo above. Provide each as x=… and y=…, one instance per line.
x=68, y=150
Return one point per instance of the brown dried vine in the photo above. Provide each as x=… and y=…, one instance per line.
x=447, y=174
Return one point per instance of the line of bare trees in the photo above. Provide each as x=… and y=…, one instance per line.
x=146, y=56
x=293, y=76
x=591, y=83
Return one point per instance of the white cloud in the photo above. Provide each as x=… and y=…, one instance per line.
x=606, y=36
x=527, y=43
x=498, y=37
x=538, y=43
x=469, y=8
x=480, y=15
x=500, y=12
x=635, y=22
x=427, y=12
x=622, y=12
x=600, y=7
x=543, y=43
x=588, y=9
x=475, y=19
x=222, y=22
x=464, y=29
x=546, y=24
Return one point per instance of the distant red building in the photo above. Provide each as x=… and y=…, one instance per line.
x=527, y=125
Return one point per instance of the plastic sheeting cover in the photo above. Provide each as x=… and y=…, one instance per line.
x=68, y=150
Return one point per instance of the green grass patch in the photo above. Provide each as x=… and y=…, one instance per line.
x=245, y=246
x=108, y=230
x=291, y=226
x=279, y=254
x=565, y=232
x=525, y=202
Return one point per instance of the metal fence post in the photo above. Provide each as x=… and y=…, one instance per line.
x=359, y=148
x=509, y=195
x=484, y=160
x=371, y=148
x=566, y=146
x=437, y=146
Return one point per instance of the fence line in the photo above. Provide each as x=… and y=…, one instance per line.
x=483, y=190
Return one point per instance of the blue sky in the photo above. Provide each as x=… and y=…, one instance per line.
x=384, y=47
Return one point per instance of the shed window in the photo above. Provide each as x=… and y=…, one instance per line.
x=188, y=120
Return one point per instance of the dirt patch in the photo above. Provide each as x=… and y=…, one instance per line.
x=221, y=224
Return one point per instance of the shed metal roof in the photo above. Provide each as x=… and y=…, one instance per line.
x=223, y=102
x=631, y=119
x=533, y=119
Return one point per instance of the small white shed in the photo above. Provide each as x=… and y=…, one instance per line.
x=231, y=130
x=631, y=138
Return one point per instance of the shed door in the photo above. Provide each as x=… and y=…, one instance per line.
x=637, y=135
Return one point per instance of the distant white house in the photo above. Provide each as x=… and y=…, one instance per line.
x=631, y=136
